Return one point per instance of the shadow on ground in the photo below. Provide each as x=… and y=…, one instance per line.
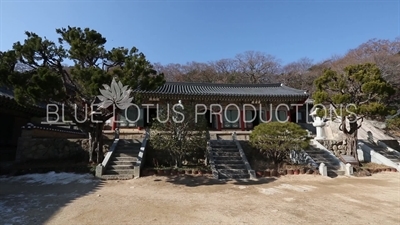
x=193, y=181
x=35, y=198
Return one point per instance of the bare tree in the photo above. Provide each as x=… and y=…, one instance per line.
x=226, y=71
x=258, y=67
x=297, y=74
x=172, y=71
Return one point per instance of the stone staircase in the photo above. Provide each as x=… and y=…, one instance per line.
x=392, y=156
x=123, y=160
x=394, y=144
x=228, y=162
x=321, y=156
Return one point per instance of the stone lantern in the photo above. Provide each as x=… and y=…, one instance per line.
x=319, y=125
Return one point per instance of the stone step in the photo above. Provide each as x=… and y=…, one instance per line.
x=124, y=159
x=221, y=141
x=320, y=156
x=232, y=171
x=391, y=157
x=329, y=165
x=224, y=150
x=330, y=168
x=340, y=172
x=222, y=153
x=221, y=158
x=126, y=163
x=128, y=151
x=317, y=153
x=335, y=172
x=119, y=171
x=130, y=141
x=332, y=165
x=223, y=146
x=121, y=167
x=120, y=154
x=234, y=176
x=392, y=154
x=128, y=148
x=232, y=144
x=125, y=145
x=224, y=162
x=323, y=159
x=117, y=177
x=230, y=166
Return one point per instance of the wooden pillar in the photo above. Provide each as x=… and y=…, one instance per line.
x=242, y=118
x=289, y=116
x=219, y=122
x=141, y=117
x=114, y=123
x=267, y=116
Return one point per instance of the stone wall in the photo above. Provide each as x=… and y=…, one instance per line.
x=54, y=148
x=31, y=147
x=335, y=146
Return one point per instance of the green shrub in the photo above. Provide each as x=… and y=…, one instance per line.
x=275, y=139
x=393, y=124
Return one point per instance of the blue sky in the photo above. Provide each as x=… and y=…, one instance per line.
x=202, y=31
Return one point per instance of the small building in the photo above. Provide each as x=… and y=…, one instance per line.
x=225, y=106
x=14, y=116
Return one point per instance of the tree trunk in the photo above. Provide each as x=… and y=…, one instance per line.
x=99, y=144
x=351, y=137
x=96, y=144
x=178, y=160
x=351, y=140
x=92, y=145
x=354, y=139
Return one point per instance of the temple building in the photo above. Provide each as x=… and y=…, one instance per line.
x=14, y=117
x=225, y=106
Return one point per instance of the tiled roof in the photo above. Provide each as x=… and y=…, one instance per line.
x=276, y=90
x=7, y=100
x=6, y=93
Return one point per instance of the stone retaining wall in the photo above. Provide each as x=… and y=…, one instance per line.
x=335, y=146
x=33, y=148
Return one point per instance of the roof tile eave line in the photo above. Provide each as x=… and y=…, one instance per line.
x=174, y=83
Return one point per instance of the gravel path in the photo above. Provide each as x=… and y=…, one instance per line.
x=302, y=199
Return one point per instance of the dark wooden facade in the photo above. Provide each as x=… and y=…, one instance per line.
x=264, y=97
x=13, y=117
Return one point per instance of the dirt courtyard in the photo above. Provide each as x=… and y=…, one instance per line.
x=297, y=199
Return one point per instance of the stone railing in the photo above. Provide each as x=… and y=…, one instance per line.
x=390, y=145
x=102, y=166
x=141, y=156
x=370, y=155
x=211, y=160
x=333, y=157
x=301, y=157
x=244, y=158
